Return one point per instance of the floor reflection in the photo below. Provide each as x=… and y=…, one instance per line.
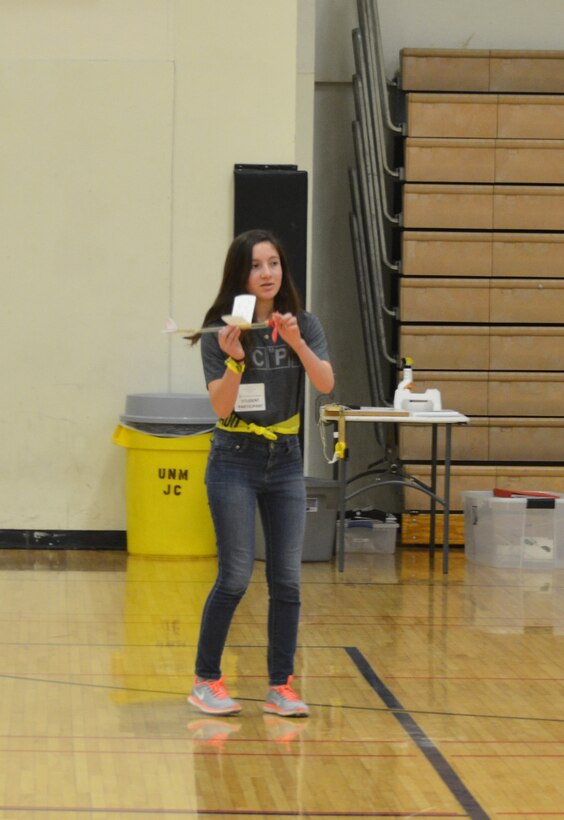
x=514, y=600
x=163, y=601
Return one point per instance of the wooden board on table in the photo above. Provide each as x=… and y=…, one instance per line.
x=369, y=412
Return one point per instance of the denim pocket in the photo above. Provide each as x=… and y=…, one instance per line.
x=230, y=443
x=292, y=445
x=228, y=447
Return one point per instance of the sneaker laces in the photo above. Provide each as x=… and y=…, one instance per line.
x=286, y=690
x=218, y=688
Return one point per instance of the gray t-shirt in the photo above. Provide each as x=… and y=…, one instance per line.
x=272, y=386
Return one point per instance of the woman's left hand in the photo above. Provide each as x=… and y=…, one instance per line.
x=319, y=371
x=288, y=328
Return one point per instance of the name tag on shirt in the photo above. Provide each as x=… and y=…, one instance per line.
x=250, y=397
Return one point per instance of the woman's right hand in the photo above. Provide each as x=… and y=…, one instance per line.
x=229, y=338
x=223, y=392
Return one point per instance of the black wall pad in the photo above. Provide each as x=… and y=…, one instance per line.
x=274, y=197
x=63, y=539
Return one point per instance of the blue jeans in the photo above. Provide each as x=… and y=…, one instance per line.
x=244, y=469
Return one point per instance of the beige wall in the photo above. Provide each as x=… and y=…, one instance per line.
x=121, y=123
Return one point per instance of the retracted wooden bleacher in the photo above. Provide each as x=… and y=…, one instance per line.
x=482, y=273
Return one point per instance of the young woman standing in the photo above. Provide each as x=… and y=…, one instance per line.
x=255, y=380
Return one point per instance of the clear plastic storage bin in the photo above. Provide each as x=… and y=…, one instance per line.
x=521, y=532
x=366, y=535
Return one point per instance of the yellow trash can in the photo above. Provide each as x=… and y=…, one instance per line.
x=166, y=500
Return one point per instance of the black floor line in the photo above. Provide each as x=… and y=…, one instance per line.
x=445, y=771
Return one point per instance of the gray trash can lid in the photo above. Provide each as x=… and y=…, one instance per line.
x=168, y=408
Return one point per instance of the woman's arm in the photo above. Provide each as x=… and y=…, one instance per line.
x=223, y=392
x=319, y=372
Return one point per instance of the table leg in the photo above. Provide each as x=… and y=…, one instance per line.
x=448, y=433
x=432, y=530
x=342, y=513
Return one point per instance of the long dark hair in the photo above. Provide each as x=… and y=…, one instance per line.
x=236, y=274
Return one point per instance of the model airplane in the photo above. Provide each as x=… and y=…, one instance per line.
x=234, y=321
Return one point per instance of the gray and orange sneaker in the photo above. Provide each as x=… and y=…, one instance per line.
x=212, y=698
x=284, y=701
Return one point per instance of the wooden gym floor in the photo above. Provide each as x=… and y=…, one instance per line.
x=431, y=695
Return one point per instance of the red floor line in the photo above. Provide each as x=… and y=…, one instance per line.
x=472, y=678
x=169, y=739
x=506, y=756
x=308, y=740
x=151, y=674
x=502, y=742
x=212, y=750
